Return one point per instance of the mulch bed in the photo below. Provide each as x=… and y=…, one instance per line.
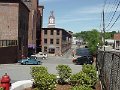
x=67, y=87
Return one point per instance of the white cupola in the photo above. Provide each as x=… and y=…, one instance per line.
x=51, y=22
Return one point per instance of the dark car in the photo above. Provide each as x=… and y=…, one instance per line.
x=31, y=60
x=83, y=56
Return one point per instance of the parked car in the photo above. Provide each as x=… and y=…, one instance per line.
x=83, y=60
x=83, y=56
x=30, y=60
x=41, y=55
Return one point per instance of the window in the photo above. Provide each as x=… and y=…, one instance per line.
x=52, y=32
x=51, y=41
x=45, y=41
x=45, y=31
x=58, y=32
x=45, y=49
x=57, y=41
x=4, y=43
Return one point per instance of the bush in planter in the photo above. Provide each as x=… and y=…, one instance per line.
x=81, y=87
x=45, y=82
x=87, y=77
x=37, y=70
x=42, y=79
x=91, y=71
x=80, y=78
x=64, y=72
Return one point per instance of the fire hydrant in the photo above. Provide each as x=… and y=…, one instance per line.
x=5, y=82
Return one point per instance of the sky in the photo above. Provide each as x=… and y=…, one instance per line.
x=79, y=15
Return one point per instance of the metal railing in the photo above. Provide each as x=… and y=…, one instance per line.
x=108, y=64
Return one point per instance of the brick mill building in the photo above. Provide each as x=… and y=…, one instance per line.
x=117, y=41
x=20, y=21
x=39, y=28
x=35, y=25
x=13, y=30
x=55, y=41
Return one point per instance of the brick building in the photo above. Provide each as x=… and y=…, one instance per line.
x=55, y=40
x=117, y=41
x=14, y=28
x=38, y=28
x=33, y=7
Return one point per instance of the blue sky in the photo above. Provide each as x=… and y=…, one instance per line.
x=77, y=15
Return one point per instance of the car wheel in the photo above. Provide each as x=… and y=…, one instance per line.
x=26, y=63
x=38, y=63
x=43, y=58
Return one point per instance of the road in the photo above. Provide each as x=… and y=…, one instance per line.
x=22, y=72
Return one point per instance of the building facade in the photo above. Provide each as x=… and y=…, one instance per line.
x=14, y=25
x=117, y=41
x=33, y=7
x=55, y=40
x=39, y=28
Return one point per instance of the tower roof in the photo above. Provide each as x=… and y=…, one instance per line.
x=51, y=14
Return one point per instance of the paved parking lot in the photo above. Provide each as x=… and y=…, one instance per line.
x=22, y=72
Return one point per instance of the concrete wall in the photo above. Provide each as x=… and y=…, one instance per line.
x=8, y=54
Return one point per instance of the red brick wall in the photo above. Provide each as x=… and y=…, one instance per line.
x=117, y=36
x=9, y=21
x=8, y=55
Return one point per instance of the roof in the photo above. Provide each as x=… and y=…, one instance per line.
x=117, y=36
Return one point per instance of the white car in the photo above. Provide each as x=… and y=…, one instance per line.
x=41, y=55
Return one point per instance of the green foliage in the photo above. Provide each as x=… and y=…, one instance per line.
x=80, y=78
x=81, y=87
x=45, y=81
x=42, y=79
x=38, y=70
x=1, y=88
x=64, y=71
x=93, y=40
x=86, y=77
x=94, y=37
x=91, y=71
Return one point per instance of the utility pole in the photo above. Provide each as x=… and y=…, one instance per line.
x=104, y=29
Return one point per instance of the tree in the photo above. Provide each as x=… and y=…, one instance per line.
x=93, y=40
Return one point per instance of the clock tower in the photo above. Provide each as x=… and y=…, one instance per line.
x=51, y=22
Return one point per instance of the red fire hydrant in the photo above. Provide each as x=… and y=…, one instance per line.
x=5, y=82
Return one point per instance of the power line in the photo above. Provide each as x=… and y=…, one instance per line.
x=113, y=15
x=114, y=22
x=110, y=7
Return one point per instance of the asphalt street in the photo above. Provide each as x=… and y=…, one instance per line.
x=22, y=72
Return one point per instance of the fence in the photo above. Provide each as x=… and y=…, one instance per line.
x=108, y=64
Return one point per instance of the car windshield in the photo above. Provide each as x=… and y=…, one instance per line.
x=82, y=52
x=33, y=57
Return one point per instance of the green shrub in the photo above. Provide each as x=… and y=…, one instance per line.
x=38, y=70
x=91, y=71
x=45, y=82
x=87, y=77
x=80, y=78
x=81, y=87
x=42, y=79
x=64, y=72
